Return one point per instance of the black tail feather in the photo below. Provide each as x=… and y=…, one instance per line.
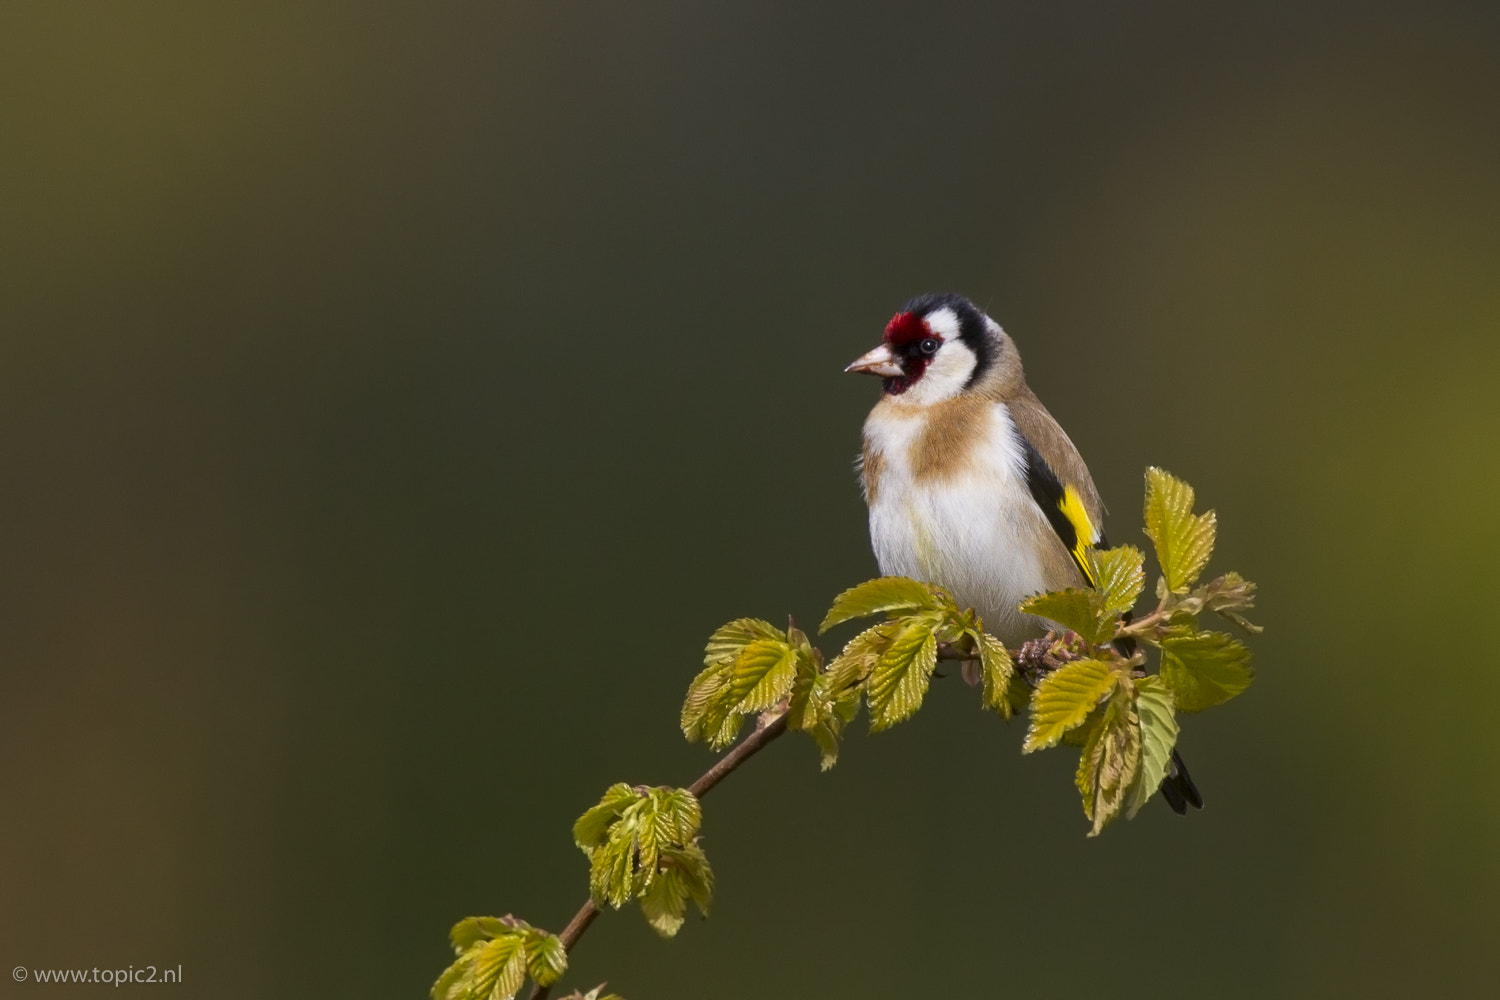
x=1178, y=788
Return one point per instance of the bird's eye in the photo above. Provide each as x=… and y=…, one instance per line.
x=930, y=346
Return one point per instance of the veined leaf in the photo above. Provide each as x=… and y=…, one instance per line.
x=728, y=731
x=860, y=655
x=724, y=645
x=1121, y=577
x=678, y=816
x=697, y=877
x=1110, y=761
x=454, y=983
x=1205, y=669
x=900, y=677
x=500, y=968
x=1154, y=709
x=996, y=672
x=762, y=675
x=888, y=593
x=1079, y=610
x=708, y=702
x=1228, y=594
x=593, y=826
x=1064, y=699
x=546, y=959
x=1183, y=541
x=665, y=901
x=472, y=930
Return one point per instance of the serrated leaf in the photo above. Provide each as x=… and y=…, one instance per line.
x=593, y=826
x=546, y=959
x=697, y=876
x=664, y=902
x=860, y=655
x=452, y=984
x=900, y=677
x=828, y=742
x=1226, y=596
x=471, y=930
x=500, y=968
x=1079, y=610
x=1064, y=699
x=728, y=731
x=679, y=816
x=725, y=644
x=1205, y=669
x=1110, y=762
x=996, y=671
x=1154, y=710
x=708, y=702
x=1183, y=541
x=888, y=593
x=1080, y=735
x=1121, y=577
x=612, y=872
x=762, y=674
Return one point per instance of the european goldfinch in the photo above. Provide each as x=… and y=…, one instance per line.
x=970, y=482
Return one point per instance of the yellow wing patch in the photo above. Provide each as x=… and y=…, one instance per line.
x=1072, y=507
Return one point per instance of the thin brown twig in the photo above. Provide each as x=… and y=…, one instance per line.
x=723, y=767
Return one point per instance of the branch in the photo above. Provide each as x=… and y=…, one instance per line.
x=748, y=747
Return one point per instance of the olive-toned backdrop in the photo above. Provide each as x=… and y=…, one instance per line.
x=394, y=396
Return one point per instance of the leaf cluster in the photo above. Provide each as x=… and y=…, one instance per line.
x=1123, y=719
x=496, y=955
x=751, y=667
x=642, y=844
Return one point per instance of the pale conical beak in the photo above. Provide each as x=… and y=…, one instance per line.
x=877, y=362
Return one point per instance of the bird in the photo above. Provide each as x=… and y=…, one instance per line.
x=971, y=483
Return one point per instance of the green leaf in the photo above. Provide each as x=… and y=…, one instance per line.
x=1121, y=577
x=593, y=826
x=1110, y=761
x=664, y=902
x=1183, y=541
x=1064, y=699
x=1204, y=669
x=728, y=731
x=472, y=930
x=1154, y=709
x=860, y=655
x=708, y=702
x=610, y=872
x=499, y=968
x=679, y=816
x=1079, y=610
x=888, y=593
x=724, y=645
x=900, y=677
x=996, y=673
x=546, y=959
x=763, y=674
x=1072, y=608
x=454, y=982
x=697, y=877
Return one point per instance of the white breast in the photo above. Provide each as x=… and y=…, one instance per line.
x=974, y=532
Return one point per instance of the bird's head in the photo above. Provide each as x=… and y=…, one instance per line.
x=936, y=347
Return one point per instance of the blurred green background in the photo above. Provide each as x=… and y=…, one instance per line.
x=393, y=397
